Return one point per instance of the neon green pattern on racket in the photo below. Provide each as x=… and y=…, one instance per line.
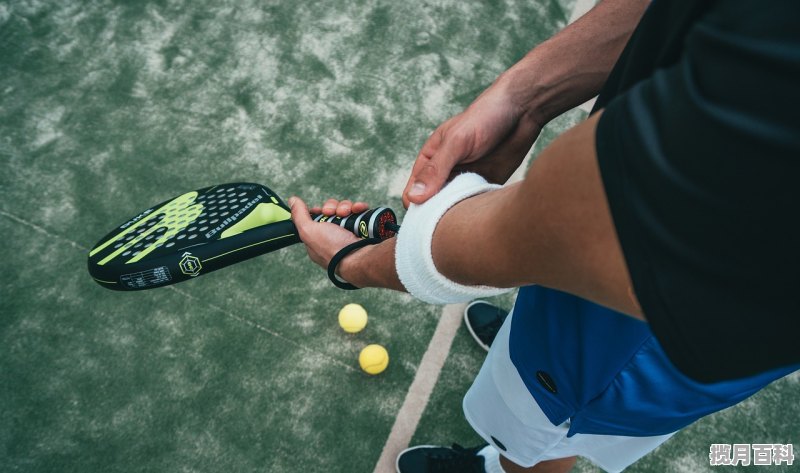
x=177, y=214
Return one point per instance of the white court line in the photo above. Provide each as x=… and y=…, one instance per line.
x=405, y=424
x=42, y=230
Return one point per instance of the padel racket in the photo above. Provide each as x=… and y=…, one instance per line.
x=205, y=230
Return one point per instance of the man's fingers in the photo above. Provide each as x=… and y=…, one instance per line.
x=329, y=207
x=431, y=176
x=347, y=207
x=340, y=209
x=300, y=215
x=344, y=208
x=426, y=153
x=359, y=207
x=421, y=160
x=425, y=181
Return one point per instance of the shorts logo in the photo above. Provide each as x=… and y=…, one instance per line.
x=546, y=381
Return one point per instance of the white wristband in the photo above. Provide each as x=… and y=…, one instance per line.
x=413, y=256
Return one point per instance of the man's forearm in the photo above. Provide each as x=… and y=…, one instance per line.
x=572, y=66
x=553, y=229
x=372, y=266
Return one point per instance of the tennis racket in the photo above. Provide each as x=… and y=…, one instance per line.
x=207, y=229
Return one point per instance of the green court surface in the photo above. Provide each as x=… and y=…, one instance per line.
x=107, y=107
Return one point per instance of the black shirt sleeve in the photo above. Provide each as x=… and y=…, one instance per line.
x=701, y=162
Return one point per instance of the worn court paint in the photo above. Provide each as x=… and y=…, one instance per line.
x=107, y=107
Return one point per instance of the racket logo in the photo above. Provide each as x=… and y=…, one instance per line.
x=362, y=228
x=190, y=264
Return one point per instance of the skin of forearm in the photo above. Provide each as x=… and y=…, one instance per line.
x=572, y=66
x=461, y=227
x=372, y=266
x=553, y=229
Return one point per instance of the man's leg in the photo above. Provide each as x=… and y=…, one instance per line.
x=494, y=462
x=483, y=320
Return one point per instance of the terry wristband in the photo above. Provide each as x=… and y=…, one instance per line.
x=413, y=256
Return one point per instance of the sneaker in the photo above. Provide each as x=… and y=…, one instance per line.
x=433, y=459
x=483, y=321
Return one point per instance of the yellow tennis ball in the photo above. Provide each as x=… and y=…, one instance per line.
x=373, y=359
x=353, y=318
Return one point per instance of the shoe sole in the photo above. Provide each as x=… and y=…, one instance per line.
x=397, y=460
x=469, y=327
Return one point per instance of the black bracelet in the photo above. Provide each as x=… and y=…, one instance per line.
x=338, y=257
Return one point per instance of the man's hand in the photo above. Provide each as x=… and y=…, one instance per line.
x=490, y=137
x=324, y=240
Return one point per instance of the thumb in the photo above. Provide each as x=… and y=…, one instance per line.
x=300, y=214
x=429, y=178
x=443, y=150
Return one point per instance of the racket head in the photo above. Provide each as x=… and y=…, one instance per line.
x=192, y=234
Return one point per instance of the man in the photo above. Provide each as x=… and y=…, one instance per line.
x=669, y=204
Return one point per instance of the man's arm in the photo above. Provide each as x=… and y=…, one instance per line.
x=542, y=231
x=572, y=66
x=554, y=229
x=492, y=136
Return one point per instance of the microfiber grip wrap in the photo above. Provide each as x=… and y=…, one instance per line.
x=413, y=256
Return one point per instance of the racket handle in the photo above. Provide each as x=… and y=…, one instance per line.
x=380, y=222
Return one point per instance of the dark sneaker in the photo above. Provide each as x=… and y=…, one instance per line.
x=432, y=459
x=484, y=321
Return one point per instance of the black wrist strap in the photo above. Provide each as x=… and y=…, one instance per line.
x=338, y=257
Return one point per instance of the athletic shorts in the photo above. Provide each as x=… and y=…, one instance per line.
x=502, y=411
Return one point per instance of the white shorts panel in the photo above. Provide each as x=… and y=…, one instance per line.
x=502, y=411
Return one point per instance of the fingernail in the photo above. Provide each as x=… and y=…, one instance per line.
x=417, y=189
x=291, y=202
